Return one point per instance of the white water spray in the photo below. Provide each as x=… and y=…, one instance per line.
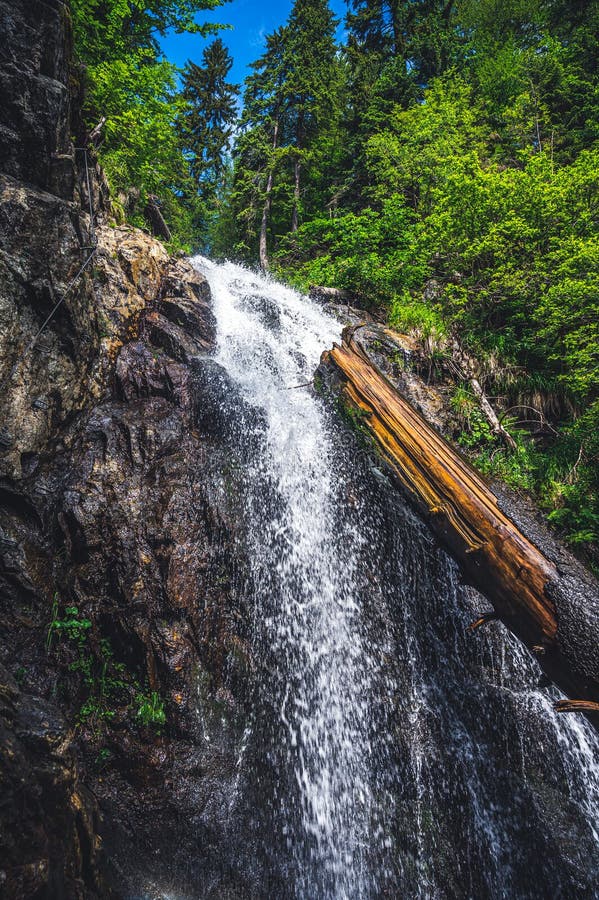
x=270, y=340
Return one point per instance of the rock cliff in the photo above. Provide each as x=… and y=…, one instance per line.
x=117, y=610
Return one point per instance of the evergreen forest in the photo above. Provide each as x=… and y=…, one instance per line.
x=440, y=163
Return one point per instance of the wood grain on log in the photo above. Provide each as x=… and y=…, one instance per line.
x=567, y=706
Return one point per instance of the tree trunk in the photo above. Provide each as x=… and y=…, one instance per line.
x=296, y=194
x=465, y=366
x=264, y=263
x=554, y=610
x=490, y=415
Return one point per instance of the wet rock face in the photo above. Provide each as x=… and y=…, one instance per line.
x=48, y=821
x=54, y=370
x=43, y=231
x=112, y=501
x=34, y=95
x=131, y=518
x=48, y=839
x=149, y=528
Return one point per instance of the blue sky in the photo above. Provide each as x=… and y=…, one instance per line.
x=251, y=21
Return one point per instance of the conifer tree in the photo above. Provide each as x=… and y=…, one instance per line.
x=420, y=33
x=310, y=83
x=289, y=100
x=256, y=152
x=209, y=116
x=394, y=49
x=264, y=115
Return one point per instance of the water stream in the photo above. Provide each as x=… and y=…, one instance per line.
x=389, y=753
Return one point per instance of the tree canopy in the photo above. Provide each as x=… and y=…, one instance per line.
x=129, y=83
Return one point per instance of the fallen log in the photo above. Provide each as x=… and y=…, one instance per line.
x=545, y=598
x=568, y=706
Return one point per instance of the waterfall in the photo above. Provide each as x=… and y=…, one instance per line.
x=389, y=753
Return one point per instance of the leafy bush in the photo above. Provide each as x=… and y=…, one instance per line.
x=372, y=254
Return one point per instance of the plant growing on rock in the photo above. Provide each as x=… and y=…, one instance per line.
x=150, y=709
x=106, y=686
x=71, y=625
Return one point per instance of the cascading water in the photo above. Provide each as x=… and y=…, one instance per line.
x=305, y=579
x=388, y=754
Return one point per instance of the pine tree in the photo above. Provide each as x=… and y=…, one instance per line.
x=288, y=105
x=257, y=152
x=420, y=33
x=395, y=48
x=264, y=113
x=209, y=116
x=311, y=79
